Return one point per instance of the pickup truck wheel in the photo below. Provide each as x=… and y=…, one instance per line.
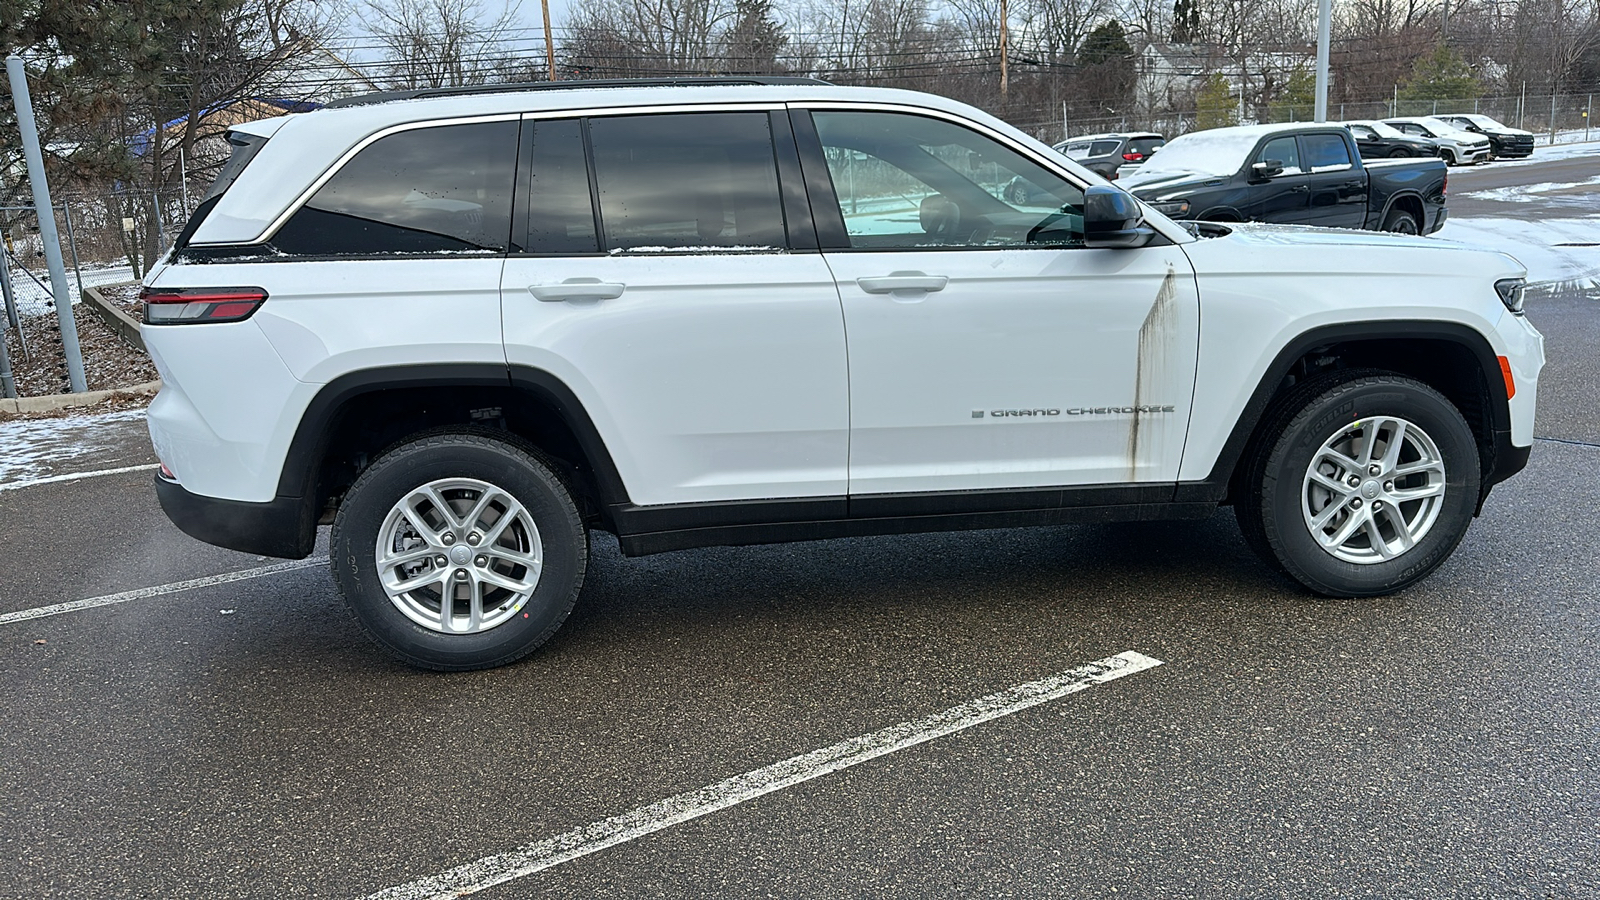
x=1400, y=221
x=459, y=551
x=1363, y=484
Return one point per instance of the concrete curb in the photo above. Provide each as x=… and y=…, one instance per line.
x=120, y=322
x=53, y=402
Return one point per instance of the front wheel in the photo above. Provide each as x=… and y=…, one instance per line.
x=1399, y=153
x=1363, y=484
x=459, y=551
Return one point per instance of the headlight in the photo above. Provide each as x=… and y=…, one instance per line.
x=1175, y=209
x=1510, y=291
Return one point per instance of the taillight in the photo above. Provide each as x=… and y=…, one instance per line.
x=186, y=306
x=1133, y=157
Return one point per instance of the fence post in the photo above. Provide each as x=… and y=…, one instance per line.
x=1588, y=116
x=1552, y=118
x=45, y=210
x=72, y=244
x=11, y=295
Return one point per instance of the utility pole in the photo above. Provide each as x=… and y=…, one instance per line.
x=1324, y=27
x=1004, y=80
x=47, y=222
x=549, y=40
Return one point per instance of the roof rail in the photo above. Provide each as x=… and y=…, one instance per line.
x=670, y=81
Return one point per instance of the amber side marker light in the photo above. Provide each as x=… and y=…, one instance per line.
x=1505, y=372
x=192, y=306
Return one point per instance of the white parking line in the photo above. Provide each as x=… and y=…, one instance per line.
x=74, y=476
x=159, y=590
x=536, y=857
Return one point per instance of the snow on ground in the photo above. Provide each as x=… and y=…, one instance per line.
x=1524, y=193
x=1564, y=251
x=34, y=448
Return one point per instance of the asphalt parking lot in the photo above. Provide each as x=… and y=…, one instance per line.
x=184, y=721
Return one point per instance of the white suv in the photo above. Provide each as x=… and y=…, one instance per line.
x=468, y=327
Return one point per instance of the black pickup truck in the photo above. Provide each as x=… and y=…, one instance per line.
x=1294, y=174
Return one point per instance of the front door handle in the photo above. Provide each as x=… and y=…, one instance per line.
x=577, y=289
x=896, y=282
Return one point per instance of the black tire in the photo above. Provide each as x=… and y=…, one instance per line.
x=1401, y=221
x=1274, y=480
x=517, y=471
x=1399, y=153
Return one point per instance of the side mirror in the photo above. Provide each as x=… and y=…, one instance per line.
x=1267, y=168
x=1112, y=218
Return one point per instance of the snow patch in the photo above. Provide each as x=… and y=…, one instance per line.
x=33, y=448
x=1536, y=245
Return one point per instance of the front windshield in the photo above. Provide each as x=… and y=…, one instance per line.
x=1220, y=152
x=1383, y=130
x=1482, y=121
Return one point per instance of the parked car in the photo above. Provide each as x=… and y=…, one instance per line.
x=1103, y=154
x=1377, y=140
x=1504, y=141
x=1108, y=155
x=1291, y=174
x=1456, y=147
x=468, y=327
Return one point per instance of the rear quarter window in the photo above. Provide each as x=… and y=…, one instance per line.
x=435, y=189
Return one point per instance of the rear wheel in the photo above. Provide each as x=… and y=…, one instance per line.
x=1401, y=221
x=459, y=551
x=1363, y=484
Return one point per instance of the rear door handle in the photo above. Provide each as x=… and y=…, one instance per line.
x=577, y=289
x=895, y=282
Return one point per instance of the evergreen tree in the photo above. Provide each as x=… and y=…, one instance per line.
x=1216, y=105
x=1105, y=68
x=1441, y=75
x=755, y=40
x=1300, y=95
x=1185, y=21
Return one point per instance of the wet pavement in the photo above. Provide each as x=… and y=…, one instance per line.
x=241, y=738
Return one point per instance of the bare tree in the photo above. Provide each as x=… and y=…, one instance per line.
x=442, y=43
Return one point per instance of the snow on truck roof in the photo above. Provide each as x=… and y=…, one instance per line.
x=1218, y=151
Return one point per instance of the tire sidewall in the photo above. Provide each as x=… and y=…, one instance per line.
x=536, y=487
x=1286, y=467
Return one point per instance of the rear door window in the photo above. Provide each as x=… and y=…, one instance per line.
x=1325, y=152
x=1104, y=148
x=687, y=182
x=437, y=189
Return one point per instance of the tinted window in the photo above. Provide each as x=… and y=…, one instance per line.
x=1076, y=151
x=560, y=211
x=1283, y=150
x=427, y=190
x=687, y=181
x=1145, y=146
x=906, y=181
x=1363, y=133
x=1324, y=151
x=1104, y=148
